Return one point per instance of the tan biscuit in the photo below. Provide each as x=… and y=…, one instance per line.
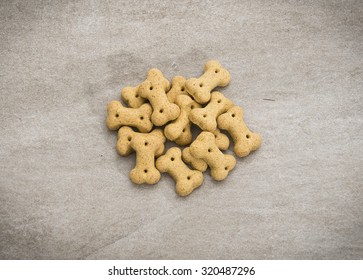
x=118, y=115
x=130, y=94
x=214, y=75
x=132, y=97
x=177, y=88
x=181, y=126
x=124, y=137
x=147, y=147
x=205, y=148
x=186, y=179
x=206, y=118
x=244, y=140
x=186, y=137
x=127, y=134
x=196, y=163
x=163, y=110
x=222, y=142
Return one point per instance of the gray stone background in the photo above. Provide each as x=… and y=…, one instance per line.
x=297, y=71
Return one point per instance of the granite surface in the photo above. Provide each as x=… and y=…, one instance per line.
x=297, y=70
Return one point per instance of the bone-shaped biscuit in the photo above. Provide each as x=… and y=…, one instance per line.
x=181, y=126
x=163, y=110
x=196, y=163
x=186, y=137
x=206, y=118
x=126, y=135
x=214, y=75
x=245, y=141
x=118, y=115
x=132, y=97
x=205, y=148
x=177, y=88
x=222, y=140
x=186, y=179
x=222, y=143
x=147, y=146
x=130, y=94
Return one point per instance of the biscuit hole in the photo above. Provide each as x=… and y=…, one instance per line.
x=145, y=170
x=248, y=136
x=136, y=95
x=233, y=115
x=201, y=84
x=172, y=159
x=226, y=168
x=183, y=130
x=209, y=150
x=216, y=71
x=151, y=88
x=117, y=115
x=204, y=116
x=219, y=101
x=129, y=138
x=192, y=107
x=141, y=118
x=146, y=143
x=182, y=89
x=161, y=111
x=188, y=177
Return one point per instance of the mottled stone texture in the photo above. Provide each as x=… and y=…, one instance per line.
x=297, y=71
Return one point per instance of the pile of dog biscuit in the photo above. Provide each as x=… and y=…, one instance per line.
x=174, y=109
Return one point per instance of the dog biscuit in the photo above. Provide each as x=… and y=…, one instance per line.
x=180, y=128
x=214, y=75
x=118, y=115
x=194, y=162
x=186, y=137
x=186, y=179
x=222, y=142
x=130, y=94
x=147, y=146
x=245, y=141
x=132, y=97
x=163, y=110
x=177, y=88
x=206, y=118
x=205, y=148
x=125, y=136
